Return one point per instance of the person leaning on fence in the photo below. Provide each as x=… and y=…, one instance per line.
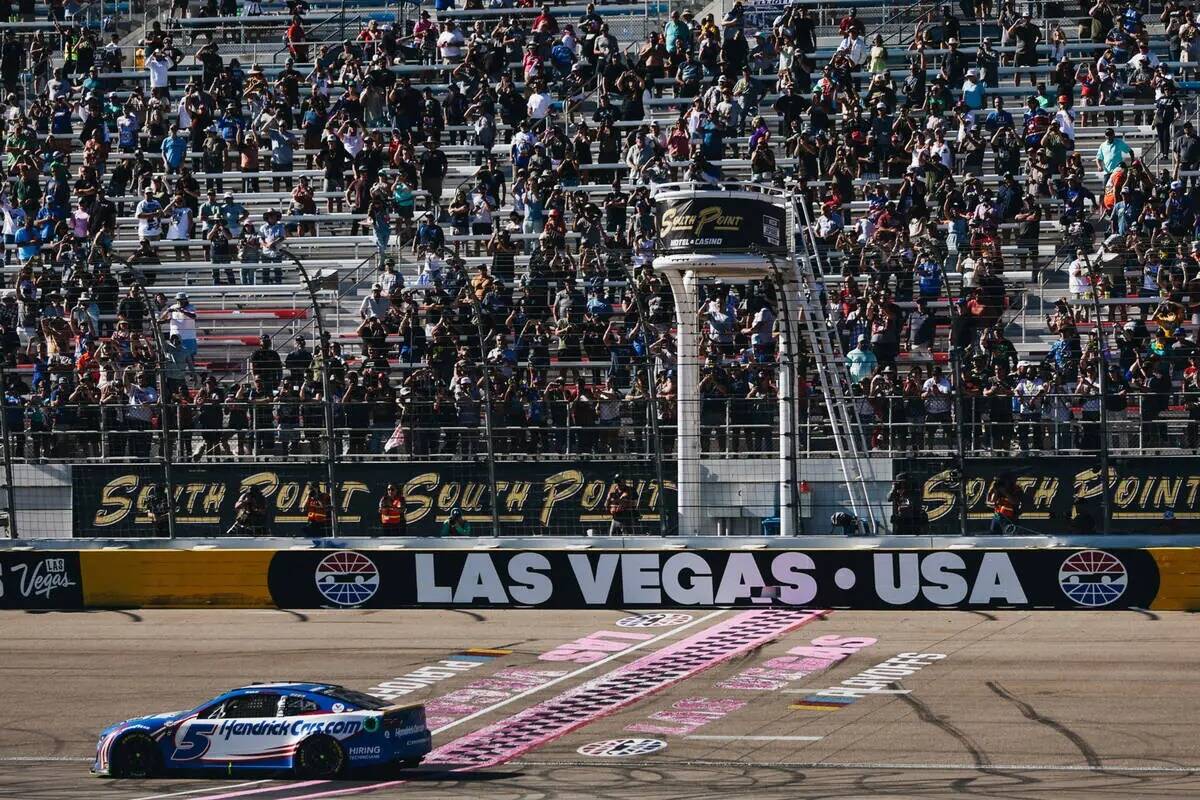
x=391, y=511
x=621, y=505
x=316, y=510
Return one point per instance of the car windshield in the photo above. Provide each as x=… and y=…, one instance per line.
x=354, y=698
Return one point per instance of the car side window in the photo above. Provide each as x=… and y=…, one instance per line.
x=247, y=706
x=298, y=705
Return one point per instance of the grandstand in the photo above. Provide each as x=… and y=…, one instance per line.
x=366, y=242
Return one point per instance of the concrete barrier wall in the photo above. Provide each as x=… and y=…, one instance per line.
x=1158, y=578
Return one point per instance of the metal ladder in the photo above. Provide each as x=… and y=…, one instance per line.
x=822, y=340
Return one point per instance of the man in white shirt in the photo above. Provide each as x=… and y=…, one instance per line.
x=450, y=44
x=149, y=213
x=1143, y=58
x=181, y=319
x=158, y=64
x=540, y=104
x=854, y=48
x=937, y=393
x=352, y=139
x=761, y=330
x=1029, y=394
x=1065, y=118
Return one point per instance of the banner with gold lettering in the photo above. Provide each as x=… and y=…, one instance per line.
x=1064, y=494
x=560, y=498
x=716, y=222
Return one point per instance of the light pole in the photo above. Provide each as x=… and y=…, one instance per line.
x=321, y=339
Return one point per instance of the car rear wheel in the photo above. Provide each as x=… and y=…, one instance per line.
x=319, y=757
x=135, y=755
x=411, y=763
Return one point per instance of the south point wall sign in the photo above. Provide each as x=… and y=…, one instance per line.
x=720, y=222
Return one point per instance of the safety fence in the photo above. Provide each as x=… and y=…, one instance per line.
x=978, y=579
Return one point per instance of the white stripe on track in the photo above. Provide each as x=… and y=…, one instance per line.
x=814, y=765
x=718, y=738
x=198, y=791
x=47, y=759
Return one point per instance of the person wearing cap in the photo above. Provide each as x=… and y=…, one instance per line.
x=272, y=234
x=987, y=61
x=1025, y=36
x=149, y=216
x=861, y=361
x=854, y=48
x=180, y=317
x=450, y=43
x=157, y=65
x=1166, y=110
x=1111, y=153
x=235, y=214
x=456, y=524
x=973, y=91
x=953, y=62
x=376, y=304
x=174, y=149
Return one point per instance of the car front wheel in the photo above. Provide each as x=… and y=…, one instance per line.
x=319, y=757
x=135, y=755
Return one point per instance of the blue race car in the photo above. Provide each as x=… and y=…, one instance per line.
x=316, y=730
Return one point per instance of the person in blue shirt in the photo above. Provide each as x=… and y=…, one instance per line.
x=1074, y=195
x=677, y=30
x=28, y=241
x=929, y=278
x=235, y=214
x=45, y=220
x=229, y=125
x=998, y=117
x=174, y=150
x=712, y=138
x=283, y=148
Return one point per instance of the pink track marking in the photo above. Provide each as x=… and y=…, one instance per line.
x=551, y=719
x=260, y=790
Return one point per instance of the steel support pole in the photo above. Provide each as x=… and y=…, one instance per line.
x=10, y=487
x=477, y=311
x=330, y=473
x=164, y=419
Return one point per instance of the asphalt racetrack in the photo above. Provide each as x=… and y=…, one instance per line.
x=725, y=704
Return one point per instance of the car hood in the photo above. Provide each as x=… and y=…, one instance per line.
x=150, y=722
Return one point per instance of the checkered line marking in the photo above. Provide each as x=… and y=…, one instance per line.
x=558, y=716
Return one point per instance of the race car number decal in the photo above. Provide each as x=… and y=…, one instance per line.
x=196, y=740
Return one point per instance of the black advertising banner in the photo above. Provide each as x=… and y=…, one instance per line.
x=1148, y=495
x=32, y=580
x=534, y=498
x=891, y=579
x=716, y=222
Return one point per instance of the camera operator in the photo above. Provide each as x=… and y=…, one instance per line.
x=908, y=512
